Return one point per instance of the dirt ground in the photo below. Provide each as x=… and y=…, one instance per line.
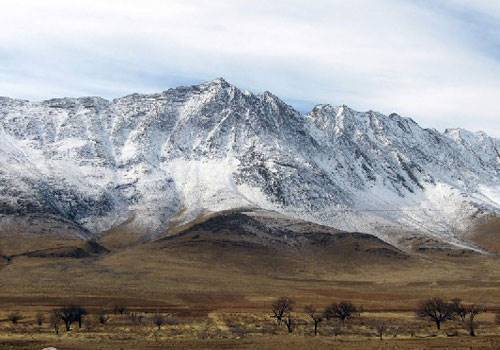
x=245, y=331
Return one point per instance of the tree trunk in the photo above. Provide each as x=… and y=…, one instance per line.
x=289, y=325
x=438, y=325
x=315, y=328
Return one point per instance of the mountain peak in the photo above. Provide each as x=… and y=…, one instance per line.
x=460, y=132
x=212, y=147
x=218, y=82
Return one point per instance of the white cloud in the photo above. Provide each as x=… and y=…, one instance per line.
x=387, y=55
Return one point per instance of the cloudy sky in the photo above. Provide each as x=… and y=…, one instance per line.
x=437, y=61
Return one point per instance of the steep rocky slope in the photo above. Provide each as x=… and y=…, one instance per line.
x=81, y=166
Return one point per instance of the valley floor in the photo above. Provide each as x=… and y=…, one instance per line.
x=97, y=342
x=222, y=330
x=218, y=294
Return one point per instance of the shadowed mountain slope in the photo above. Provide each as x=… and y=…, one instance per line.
x=145, y=163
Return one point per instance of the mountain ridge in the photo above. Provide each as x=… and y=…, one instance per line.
x=96, y=163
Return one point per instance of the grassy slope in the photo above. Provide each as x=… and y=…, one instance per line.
x=487, y=235
x=226, y=275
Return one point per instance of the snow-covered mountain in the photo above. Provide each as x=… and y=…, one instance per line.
x=85, y=165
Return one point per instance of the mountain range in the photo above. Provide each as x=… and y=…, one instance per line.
x=148, y=163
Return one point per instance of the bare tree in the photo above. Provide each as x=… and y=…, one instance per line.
x=458, y=308
x=281, y=307
x=316, y=316
x=342, y=311
x=79, y=312
x=65, y=314
x=70, y=314
x=471, y=311
x=289, y=322
x=159, y=320
x=380, y=328
x=436, y=310
x=40, y=318
x=14, y=317
x=55, y=320
x=396, y=330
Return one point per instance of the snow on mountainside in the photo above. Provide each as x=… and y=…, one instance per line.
x=85, y=165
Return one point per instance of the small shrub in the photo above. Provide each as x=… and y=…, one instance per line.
x=158, y=320
x=289, y=323
x=380, y=328
x=396, y=331
x=55, y=321
x=171, y=321
x=336, y=330
x=102, y=317
x=471, y=311
x=39, y=319
x=238, y=330
x=136, y=318
x=120, y=309
x=497, y=318
x=88, y=324
x=315, y=316
x=14, y=317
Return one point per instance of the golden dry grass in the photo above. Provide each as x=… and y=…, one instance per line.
x=231, y=330
x=221, y=293
x=487, y=235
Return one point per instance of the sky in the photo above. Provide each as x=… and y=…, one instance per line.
x=436, y=61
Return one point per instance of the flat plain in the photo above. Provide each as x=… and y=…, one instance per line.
x=215, y=292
